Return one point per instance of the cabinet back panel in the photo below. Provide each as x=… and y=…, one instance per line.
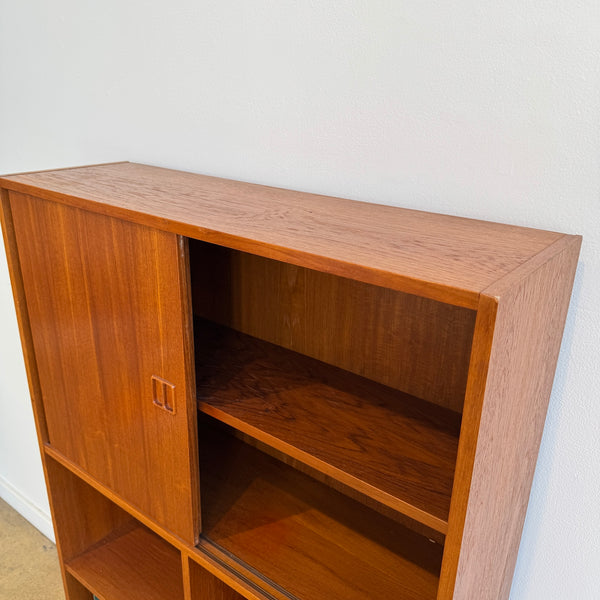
x=413, y=344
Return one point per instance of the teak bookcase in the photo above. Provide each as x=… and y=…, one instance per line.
x=248, y=392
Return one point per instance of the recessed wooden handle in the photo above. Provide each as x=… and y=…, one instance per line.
x=163, y=394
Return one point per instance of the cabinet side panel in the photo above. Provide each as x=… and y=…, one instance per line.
x=496, y=464
x=16, y=278
x=108, y=326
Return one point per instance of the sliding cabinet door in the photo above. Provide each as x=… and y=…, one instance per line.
x=109, y=309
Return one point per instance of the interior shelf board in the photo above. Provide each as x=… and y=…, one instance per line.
x=130, y=564
x=314, y=542
x=388, y=445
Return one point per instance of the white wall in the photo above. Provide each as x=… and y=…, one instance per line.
x=481, y=109
x=21, y=476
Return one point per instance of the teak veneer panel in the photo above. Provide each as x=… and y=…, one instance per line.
x=89, y=508
x=312, y=541
x=391, y=446
x=204, y=586
x=106, y=311
x=130, y=564
x=443, y=257
x=504, y=422
x=407, y=342
x=83, y=516
x=16, y=277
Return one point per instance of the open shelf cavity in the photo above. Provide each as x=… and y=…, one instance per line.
x=392, y=447
x=313, y=541
x=131, y=563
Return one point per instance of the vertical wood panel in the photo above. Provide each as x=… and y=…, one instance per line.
x=502, y=426
x=205, y=586
x=185, y=572
x=16, y=279
x=105, y=304
x=74, y=590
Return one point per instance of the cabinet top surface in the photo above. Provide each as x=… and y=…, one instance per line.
x=443, y=257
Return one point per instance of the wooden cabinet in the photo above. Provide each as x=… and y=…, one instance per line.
x=247, y=392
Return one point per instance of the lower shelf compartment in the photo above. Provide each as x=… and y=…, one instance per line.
x=131, y=563
x=395, y=448
x=306, y=538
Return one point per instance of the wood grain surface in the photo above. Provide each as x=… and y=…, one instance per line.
x=413, y=344
x=130, y=564
x=16, y=278
x=204, y=586
x=106, y=312
x=391, y=446
x=336, y=484
x=516, y=347
x=442, y=257
x=82, y=515
x=310, y=540
x=196, y=553
x=73, y=589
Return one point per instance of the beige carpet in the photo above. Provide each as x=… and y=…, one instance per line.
x=28, y=562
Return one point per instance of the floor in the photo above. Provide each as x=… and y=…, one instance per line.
x=28, y=561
